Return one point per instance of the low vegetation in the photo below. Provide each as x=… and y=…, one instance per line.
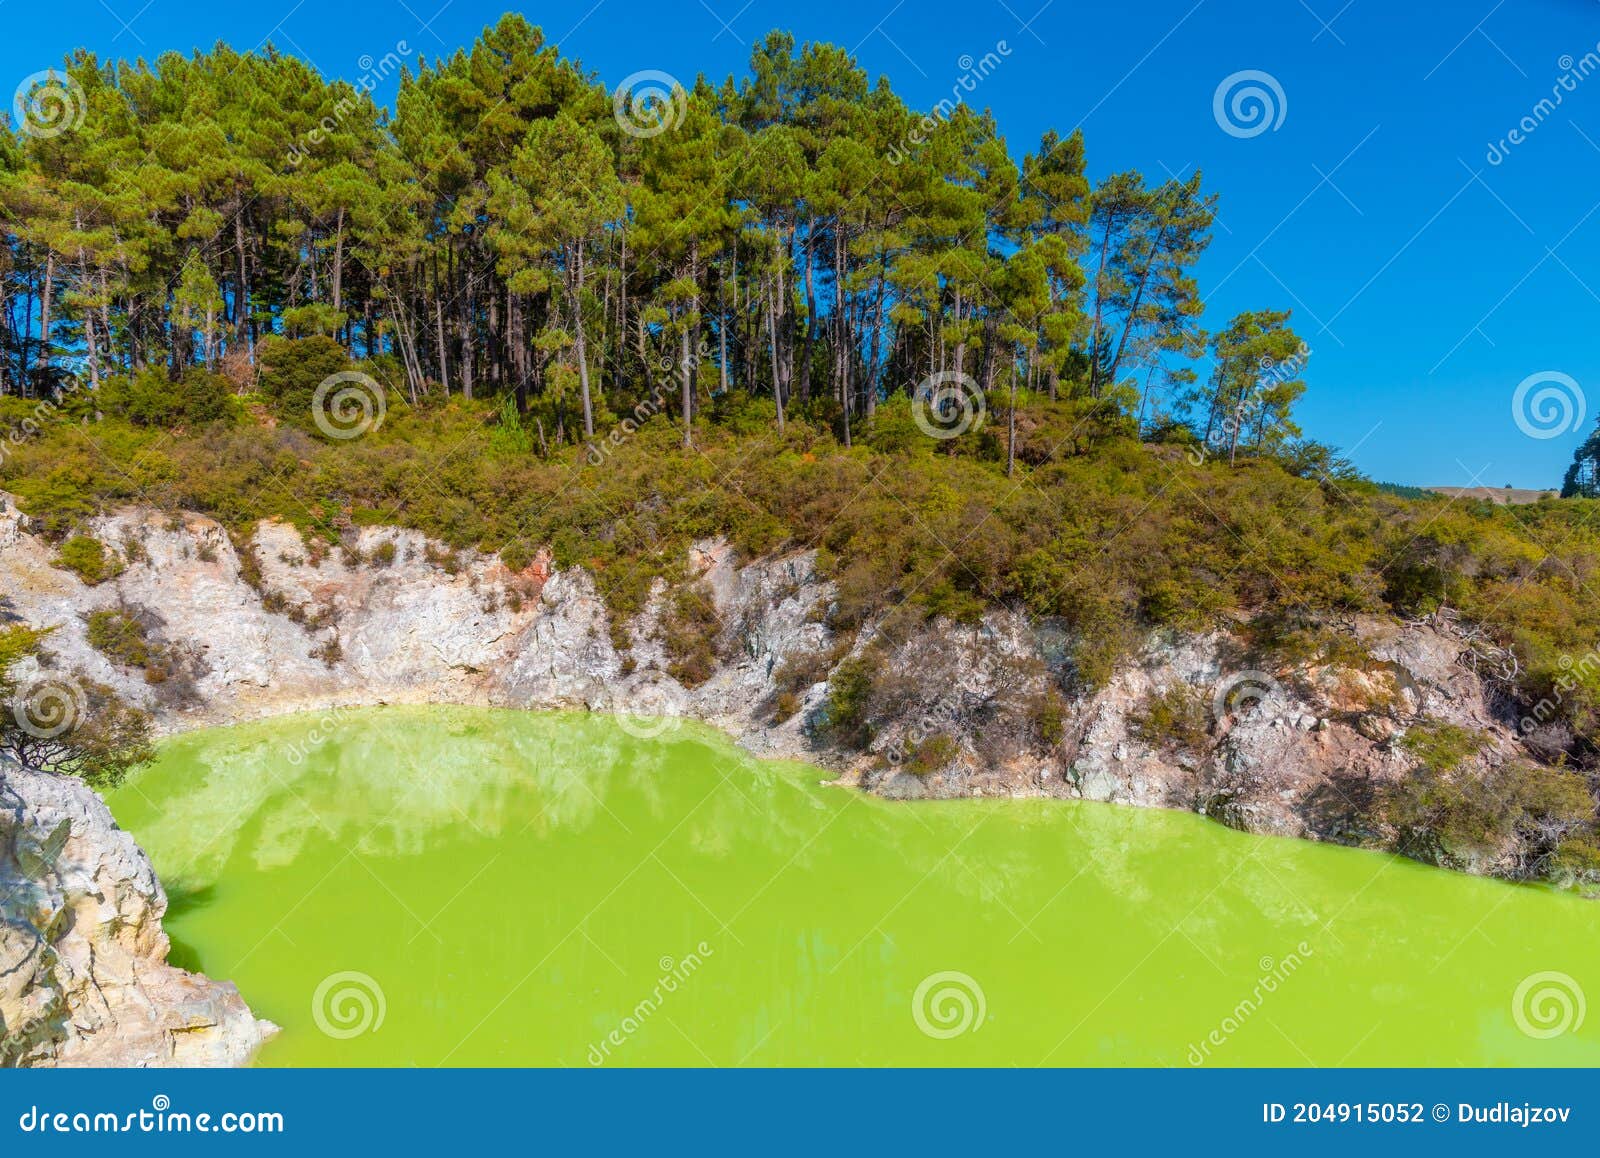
x=689, y=630
x=88, y=559
x=1177, y=717
x=64, y=723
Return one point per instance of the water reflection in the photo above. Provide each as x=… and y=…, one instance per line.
x=514, y=880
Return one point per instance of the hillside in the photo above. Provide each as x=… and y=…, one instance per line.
x=1126, y=573
x=544, y=328
x=1509, y=496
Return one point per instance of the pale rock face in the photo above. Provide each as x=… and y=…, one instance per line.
x=565, y=657
x=411, y=622
x=84, y=979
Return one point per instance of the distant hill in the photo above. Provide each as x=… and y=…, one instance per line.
x=1511, y=496
x=1403, y=491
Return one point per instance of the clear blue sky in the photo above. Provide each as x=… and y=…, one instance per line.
x=1428, y=281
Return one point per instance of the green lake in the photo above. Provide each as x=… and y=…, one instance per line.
x=444, y=886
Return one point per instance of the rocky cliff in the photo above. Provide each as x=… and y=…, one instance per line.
x=84, y=978
x=279, y=624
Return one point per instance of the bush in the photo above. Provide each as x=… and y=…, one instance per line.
x=849, y=698
x=120, y=638
x=517, y=555
x=88, y=559
x=689, y=630
x=293, y=368
x=1440, y=747
x=805, y=669
x=151, y=398
x=16, y=643
x=107, y=737
x=1176, y=717
x=1047, y=716
x=785, y=706
x=932, y=754
x=1545, y=816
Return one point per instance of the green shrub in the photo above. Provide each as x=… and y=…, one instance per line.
x=88, y=559
x=447, y=561
x=293, y=368
x=849, y=698
x=1176, y=717
x=518, y=555
x=151, y=398
x=119, y=637
x=123, y=638
x=689, y=630
x=933, y=753
x=16, y=643
x=1047, y=716
x=1440, y=747
x=1445, y=817
x=107, y=738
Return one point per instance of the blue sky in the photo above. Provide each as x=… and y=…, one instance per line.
x=1428, y=280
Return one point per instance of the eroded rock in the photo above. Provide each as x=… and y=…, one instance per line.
x=84, y=978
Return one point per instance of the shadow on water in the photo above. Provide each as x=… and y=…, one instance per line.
x=181, y=900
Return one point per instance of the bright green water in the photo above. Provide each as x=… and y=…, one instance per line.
x=518, y=886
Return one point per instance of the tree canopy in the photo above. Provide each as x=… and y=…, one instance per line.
x=512, y=229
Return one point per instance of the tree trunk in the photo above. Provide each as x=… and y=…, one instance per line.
x=772, y=326
x=1011, y=430
x=583, y=346
x=1133, y=308
x=438, y=328
x=688, y=389
x=88, y=329
x=464, y=321
x=44, y=323
x=241, y=286
x=338, y=262
x=811, y=325
x=1099, y=308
